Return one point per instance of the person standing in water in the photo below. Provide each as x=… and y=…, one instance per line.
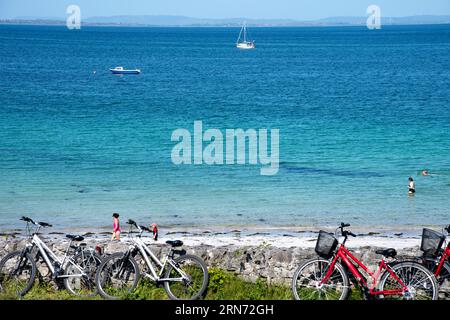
x=411, y=186
x=116, y=227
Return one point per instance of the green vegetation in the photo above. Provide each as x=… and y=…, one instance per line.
x=222, y=285
x=44, y=292
x=226, y=285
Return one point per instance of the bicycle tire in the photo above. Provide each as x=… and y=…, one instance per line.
x=32, y=275
x=319, y=273
x=100, y=277
x=401, y=270
x=170, y=287
x=87, y=259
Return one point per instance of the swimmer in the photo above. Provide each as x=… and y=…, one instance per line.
x=411, y=186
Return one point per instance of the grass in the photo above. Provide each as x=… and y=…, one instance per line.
x=223, y=285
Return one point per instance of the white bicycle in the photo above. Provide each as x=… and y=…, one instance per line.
x=184, y=277
x=77, y=268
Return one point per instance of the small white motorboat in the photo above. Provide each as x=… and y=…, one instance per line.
x=245, y=43
x=121, y=70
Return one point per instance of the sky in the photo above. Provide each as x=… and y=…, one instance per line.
x=269, y=9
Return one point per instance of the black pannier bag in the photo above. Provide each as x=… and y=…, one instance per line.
x=326, y=244
x=432, y=242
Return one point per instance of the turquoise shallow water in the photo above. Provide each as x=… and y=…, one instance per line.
x=358, y=111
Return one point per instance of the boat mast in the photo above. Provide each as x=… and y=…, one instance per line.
x=245, y=32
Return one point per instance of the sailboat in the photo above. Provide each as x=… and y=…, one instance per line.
x=245, y=43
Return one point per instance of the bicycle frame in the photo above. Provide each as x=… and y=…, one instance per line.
x=350, y=260
x=445, y=256
x=49, y=256
x=149, y=256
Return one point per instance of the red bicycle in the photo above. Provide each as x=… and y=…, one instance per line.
x=327, y=277
x=437, y=259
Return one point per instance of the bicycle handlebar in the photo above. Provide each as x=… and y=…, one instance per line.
x=145, y=228
x=139, y=227
x=132, y=222
x=345, y=233
x=44, y=224
x=41, y=224
x=142, y=228
x=26, y=219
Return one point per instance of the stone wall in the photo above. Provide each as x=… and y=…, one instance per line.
x=277, y=265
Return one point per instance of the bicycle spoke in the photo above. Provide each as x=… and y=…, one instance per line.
x=16, y=274
x=81, y=272
x=117, y=277
x=419, y=282
x=194, y=278
x=308, y=283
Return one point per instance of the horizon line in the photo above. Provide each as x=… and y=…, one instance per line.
x=63, y=18
x=186, y=21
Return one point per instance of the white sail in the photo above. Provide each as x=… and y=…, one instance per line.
x=244, y=44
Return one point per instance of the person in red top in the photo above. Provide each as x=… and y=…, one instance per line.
x=116, y=226
x=154, y=228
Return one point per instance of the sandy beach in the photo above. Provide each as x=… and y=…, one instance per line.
x=233, y=236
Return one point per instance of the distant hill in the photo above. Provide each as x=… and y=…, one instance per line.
x=185, y=21
x=423, y=19
x=182, y=21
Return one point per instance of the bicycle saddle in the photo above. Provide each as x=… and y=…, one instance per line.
x=175, y=243
x=388, y=253
x=26, y=219
x=74, y=237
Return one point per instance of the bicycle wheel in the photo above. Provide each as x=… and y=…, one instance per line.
x=117, y=276
x=77, y=283
x=17, y=273
x=420, y=282
x=306, y=281
x=443, y=278
x=194, y=274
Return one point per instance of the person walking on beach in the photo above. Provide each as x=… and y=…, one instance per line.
x=411, y=186
x=116, y=227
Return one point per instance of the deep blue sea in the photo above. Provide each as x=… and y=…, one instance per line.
x=359, y=111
